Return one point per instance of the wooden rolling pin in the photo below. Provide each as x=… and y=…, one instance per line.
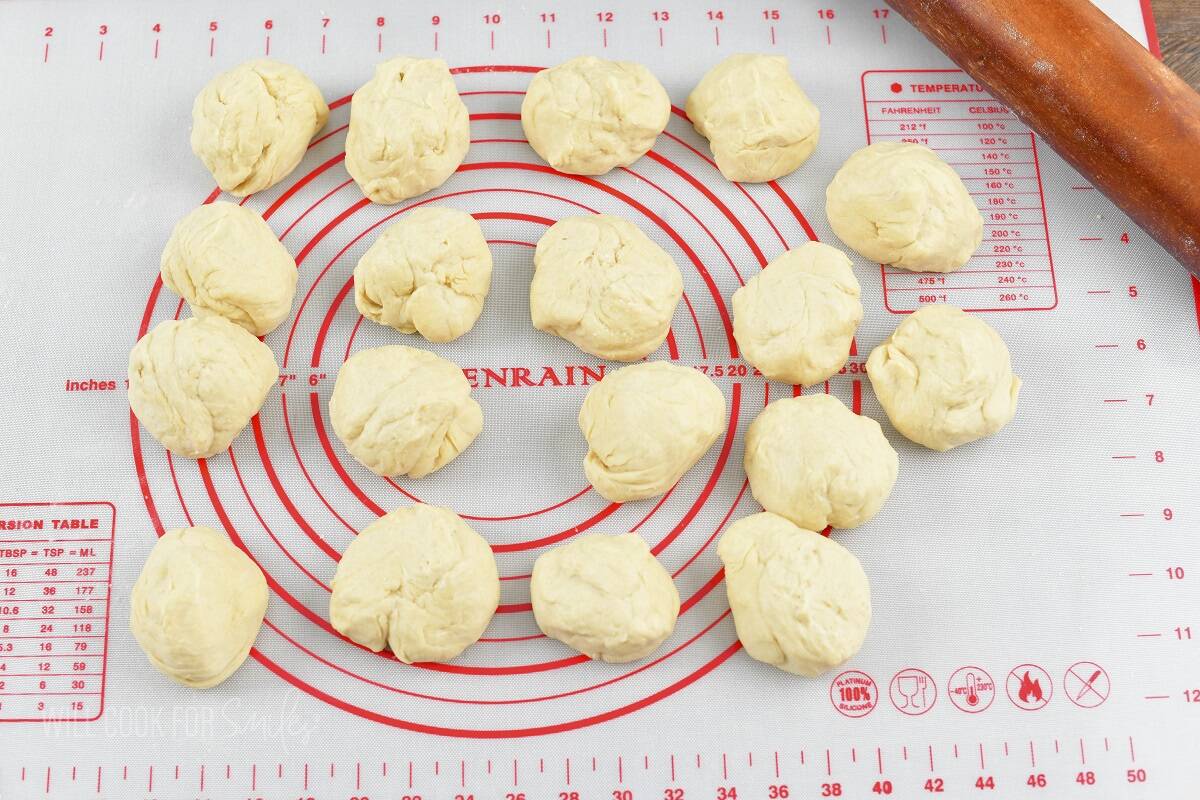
x=1111, y=109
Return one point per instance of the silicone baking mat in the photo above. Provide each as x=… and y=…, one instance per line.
x=1035, y=594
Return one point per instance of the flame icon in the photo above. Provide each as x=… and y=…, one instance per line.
x=1030, y=688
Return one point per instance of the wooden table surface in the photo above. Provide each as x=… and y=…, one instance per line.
x=1179, y=36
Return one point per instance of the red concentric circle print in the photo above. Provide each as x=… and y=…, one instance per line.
x=290, y=495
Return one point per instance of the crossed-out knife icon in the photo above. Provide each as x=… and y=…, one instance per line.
x=1087, y=686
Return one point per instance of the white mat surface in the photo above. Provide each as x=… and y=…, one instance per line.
x=1068, y=538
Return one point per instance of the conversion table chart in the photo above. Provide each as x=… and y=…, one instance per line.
x=55, y=577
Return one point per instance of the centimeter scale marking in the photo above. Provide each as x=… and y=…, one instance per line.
x=1055, y=766
x=775, y=26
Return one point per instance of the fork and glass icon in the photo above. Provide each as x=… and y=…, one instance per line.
x=912, y=688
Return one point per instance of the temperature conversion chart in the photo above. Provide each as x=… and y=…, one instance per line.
x=1035, y=595
x=997, y=158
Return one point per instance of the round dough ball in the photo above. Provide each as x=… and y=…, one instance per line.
x=418, y=581
x=195, y=384
x=197, y=606
x=800, y=601
x=403, y=411
x=898, y=203
x=251, y=125
x=758, y=121
x=408, y=130
x=225, y=260
x=588, y=115
x=944, y=378
x=795, y=320
x=605, y=596
x=817, y=463
x=645, y=426
x=427, y=274
x=603, y=285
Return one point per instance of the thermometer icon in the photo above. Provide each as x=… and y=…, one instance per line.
x=972, y=694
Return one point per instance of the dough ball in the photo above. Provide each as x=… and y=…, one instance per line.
x=800, y=601
x=225, y=260
x=197, y=606
x=588, y=115
x=408, y=130
x=417, y=581
x=403, y=411
x=794, y=320
x=645, y=426
x=251, y=125
x=427, y=274
x=195, y=384
x=816, y=462
x=603, y=285
x=605, y=596
x=944, y=378
x=758, y=121
x=898, y=203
